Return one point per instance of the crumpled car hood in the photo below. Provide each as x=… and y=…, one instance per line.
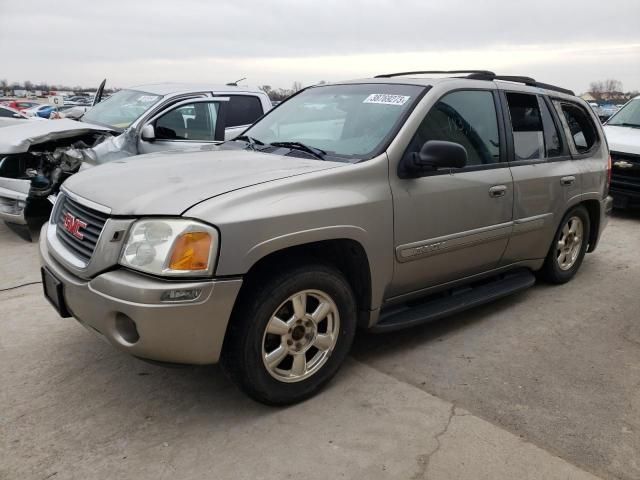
x=169, y=183
x=623, y=139
x=18, y=138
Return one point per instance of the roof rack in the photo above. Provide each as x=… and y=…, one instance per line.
x=404, y=74
x=485, y=75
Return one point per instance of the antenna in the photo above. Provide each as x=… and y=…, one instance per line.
x=235, y=84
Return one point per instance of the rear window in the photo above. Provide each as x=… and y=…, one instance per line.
x=578, y=126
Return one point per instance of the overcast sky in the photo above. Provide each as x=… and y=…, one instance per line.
x=568, y=42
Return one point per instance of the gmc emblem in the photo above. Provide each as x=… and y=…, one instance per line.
x=73, y=225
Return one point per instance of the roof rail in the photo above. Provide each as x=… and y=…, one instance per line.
x=403, y=74
x=485, y=75
x=532, y=83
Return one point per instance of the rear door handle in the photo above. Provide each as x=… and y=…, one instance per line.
x=566, y=181
x=497, y=191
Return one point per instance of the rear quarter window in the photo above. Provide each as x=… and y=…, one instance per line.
x=578, y=125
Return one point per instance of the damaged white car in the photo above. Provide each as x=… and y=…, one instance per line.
x=36, y=157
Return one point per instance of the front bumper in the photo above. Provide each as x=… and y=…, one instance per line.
x=189, y=332
x=626, y=192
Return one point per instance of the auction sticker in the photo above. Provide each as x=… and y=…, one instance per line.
x=386, y=99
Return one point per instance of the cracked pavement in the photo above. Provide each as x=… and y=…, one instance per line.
x=543, y=385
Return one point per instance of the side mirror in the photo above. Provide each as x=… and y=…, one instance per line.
x=148, y=133
x=436, y=154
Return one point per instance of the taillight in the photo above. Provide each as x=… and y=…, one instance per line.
x=609, y=174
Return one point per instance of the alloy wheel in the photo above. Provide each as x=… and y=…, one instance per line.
x=570, y=243
x=300, y=336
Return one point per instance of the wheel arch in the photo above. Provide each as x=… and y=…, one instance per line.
x=594, y=210
x=347, y=255
x=593, y=205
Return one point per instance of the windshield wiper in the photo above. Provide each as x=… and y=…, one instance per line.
x=249, y=140
x=626, y=124
x=316, y=152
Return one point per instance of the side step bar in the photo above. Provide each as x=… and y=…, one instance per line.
x=454, y=301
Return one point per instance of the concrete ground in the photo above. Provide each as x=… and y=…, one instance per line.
x=542, y=385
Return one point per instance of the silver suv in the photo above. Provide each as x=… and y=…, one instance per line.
x=381, y=203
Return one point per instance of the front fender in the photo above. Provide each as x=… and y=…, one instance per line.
x=352, y=202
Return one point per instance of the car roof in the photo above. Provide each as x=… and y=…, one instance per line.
x=169, y=88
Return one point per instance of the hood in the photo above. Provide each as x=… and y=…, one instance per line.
x=169, y=183
x=18, y=138
x=623, y=139
x=5, y=122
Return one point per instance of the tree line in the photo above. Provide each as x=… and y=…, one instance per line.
x=275, y=94
x=610, y=89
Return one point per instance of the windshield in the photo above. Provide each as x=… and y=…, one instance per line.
x=629, y=115
x=354, y=121
x=121, y=109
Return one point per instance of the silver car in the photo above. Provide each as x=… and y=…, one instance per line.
x=382, y=203
x=36, y=157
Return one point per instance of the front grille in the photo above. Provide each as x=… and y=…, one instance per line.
x=70, y=209
x=630, y=173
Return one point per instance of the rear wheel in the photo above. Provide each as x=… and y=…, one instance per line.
x=290, y=334
x=569, y=246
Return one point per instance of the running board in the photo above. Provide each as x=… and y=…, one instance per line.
x=453, y=301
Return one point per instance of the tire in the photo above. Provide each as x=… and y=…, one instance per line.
x=264, y=356
x=558, y=268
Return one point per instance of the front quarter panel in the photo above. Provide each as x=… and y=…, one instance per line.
x=351, y=201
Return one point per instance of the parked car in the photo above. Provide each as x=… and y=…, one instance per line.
x=9, y=116
x=623, y=134
x=74, y=112
x=8, y=112
x=401, y=201
x=605, y=111
x=43, y=111
x=21, y=105
x=36, y=158
x=78, y=100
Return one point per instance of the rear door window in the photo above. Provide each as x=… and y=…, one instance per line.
x=578, y=126
x=526, y=123
x=243, y=110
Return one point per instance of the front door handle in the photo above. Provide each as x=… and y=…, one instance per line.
x=497, y=191
x=566, y=181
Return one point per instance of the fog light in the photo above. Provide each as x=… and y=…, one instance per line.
x=127, y=328
x=180, y=295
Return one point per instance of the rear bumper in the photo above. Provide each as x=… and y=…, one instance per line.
x=606, y=208
x=189, y=332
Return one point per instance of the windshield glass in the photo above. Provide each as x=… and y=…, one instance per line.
x=353, y=121
x=121, y=109
x=628, y=115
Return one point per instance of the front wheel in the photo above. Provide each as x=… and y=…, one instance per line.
x=569, y=246
x=290, y=334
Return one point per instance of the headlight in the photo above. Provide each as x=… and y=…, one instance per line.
x=172, y=247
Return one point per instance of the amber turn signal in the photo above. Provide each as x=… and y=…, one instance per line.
x=191, y=252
